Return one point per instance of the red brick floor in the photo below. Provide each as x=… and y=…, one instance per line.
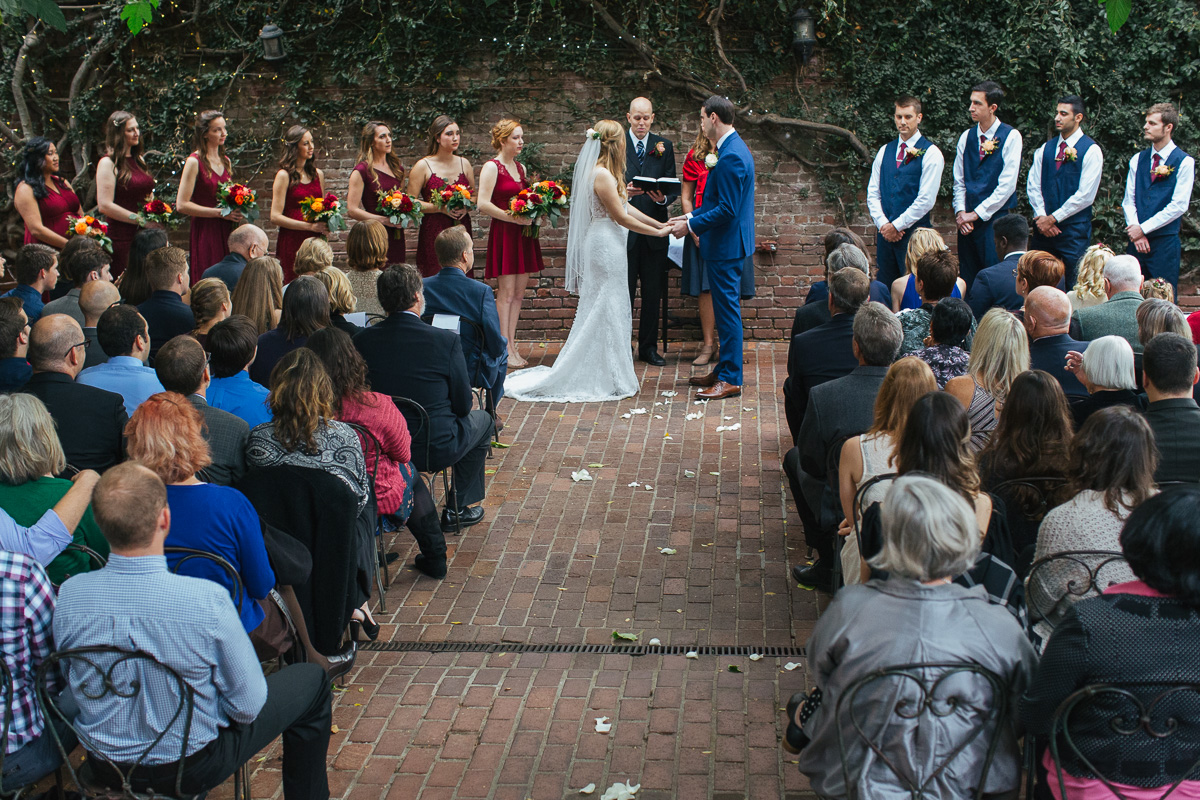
x=557, y=561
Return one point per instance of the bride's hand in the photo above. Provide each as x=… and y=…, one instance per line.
x=663, y=231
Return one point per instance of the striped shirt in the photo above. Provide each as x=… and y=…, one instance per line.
x=26, y=611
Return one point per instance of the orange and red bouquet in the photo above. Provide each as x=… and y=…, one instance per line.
x=90, y=227
x=327, y=209
x=399, y=208
x=160, y=211
x=233, y=197
x=452, y=197
x=542, y=200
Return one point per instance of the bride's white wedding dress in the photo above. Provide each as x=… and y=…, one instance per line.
x=596, y=363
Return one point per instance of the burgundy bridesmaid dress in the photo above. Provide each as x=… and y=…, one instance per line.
x=209, y=236
x=132, y=195
x=370, y=200
x=509, y=251
x=433, y=224
x=288, y=242
x=55, y=207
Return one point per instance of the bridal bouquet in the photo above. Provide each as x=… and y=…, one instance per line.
x=90, y=227
x=452, y=197
x=160, y=211
x=233, y=197
x=544, y=199
x=327, y=209
x=399, y=208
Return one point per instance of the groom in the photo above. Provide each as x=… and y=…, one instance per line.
x=725, y=225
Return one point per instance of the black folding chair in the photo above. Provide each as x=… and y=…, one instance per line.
x=1073, y=575
x=101, y=671
x=1026, y=501
x=97, y=561
x=833, y=462
x=418, y=426
x=859, y=496
x=373, y=452
x=237, y=590
x=375, y=319
x=930, y=695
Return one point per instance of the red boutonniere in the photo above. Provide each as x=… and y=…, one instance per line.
x=659, y=150
x=913, y=153
x=989, y=147
x=1069, y=154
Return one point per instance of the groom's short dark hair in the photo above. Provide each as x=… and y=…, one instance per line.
x=397, y=288
x=721, y=106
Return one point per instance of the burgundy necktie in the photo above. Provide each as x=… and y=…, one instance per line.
x=1062, y=155
x=900, y=155
x=982, y=141
x=1155, y=160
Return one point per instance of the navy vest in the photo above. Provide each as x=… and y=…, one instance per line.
x=1059, y=183
x=1151, y=198
x=982, y=177
x=898, y=188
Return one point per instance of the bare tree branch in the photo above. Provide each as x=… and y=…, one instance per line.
x=714, y=22
x=83, y=77
x=18, y=81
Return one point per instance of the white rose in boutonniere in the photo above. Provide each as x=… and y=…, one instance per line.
x=659, y=150
x=710, y=160
x=1161, y=171
x=1069, y=154
x=913, y=154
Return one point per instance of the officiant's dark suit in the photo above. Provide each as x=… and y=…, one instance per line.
x=648, y=254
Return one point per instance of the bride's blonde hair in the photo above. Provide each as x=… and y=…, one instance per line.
x=612, y=151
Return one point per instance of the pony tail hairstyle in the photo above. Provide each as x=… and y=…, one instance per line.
x=114, y=144
x=612, y=151
x=203, y=121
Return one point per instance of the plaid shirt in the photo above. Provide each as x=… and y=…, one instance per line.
x=26, y=614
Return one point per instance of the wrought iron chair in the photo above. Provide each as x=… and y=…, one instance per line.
x=373, y=452
x=375, y=319
x=97, y=561
x=1076, y=572
x=418, y=426
x=859, y=497
x=109, y=671
x=833, y=460
x=237, y=591
x=1117, y=711
x=1026, y=501
x=933, y=698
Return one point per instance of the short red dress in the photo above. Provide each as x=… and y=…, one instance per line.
x=372, y=186
x=287, y=244
x=59, y=203
x=130, y=194
x=433, y=224
x=209, y=235
x=509, y=251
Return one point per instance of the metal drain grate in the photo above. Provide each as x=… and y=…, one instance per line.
x=602, y=649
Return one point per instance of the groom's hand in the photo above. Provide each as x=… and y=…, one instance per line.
x=679, y=227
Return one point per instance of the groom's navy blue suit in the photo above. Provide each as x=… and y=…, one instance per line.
x=725, y=225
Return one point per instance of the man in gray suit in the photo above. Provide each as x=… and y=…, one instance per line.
x=836, y=410
x=1117, y=316
x=182, y=366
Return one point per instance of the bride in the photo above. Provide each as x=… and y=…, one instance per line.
x=596, y=363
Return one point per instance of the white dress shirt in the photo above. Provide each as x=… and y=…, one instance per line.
x=1011, y=153
x=932, y=164
x=1184, y=179
x=645, y=140
x=1089, y=178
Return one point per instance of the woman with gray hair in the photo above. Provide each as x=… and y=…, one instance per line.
x=30, y=457
x=1106, y=370
x=1155, y=316
x=915, y=615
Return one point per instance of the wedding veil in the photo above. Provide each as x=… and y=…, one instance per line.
x=581, y=211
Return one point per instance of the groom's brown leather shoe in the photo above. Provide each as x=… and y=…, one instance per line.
x=704, y=380
x=719, y=391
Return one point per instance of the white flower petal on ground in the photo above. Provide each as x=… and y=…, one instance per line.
x=626, y=416
x=737, y=426
x=655, y=641
x=603, y=725
x=756, y=657
x=591, y=787
x=691, y=654
x=667, y=551
x=634, y=485
x=791, y=665
x=687, y=473
x=669, y=394
x=621, y=791
x=637, y=411
x=581, y=475
x=648, y=486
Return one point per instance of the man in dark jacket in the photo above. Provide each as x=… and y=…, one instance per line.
x=1047, y=319
x=1169, y=371
x=996, y=286
x=167, y=316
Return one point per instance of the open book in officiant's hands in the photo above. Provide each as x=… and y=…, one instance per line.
x=667, y=186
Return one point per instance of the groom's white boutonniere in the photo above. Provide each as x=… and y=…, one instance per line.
x=710, y=160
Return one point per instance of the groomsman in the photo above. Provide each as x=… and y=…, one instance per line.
x=986, y=164
x=903, y=187
x=1062, y=185
x=650, y=156
x=1157, y=192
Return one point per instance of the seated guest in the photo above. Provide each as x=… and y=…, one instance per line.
x=453, y=291
x=1169, y=373
x=1038, y=268
x=90, y=421
x=1047, y=318
x=1000, y=353
x=30, y=457
x=210, y=304
x=36, y=271
x=949, y=327
x=1117, y=316
x=233, y=344
x=1089, y=278
x=399, y=491
x=1132, y=636
x=810, y=315
x=135, y=603
x=1111, y=473
x=305, y=311
x=825, y=352
x=125, y=339
x=835, y=238
x=134, y=282
x=246, y=243
x=314, y=255
x=1106, y=370
x=74, y=246
x=14, y=342
x=904, y=292
x=182, y=367
x=341, y=298
x=166, y=314
x=915, y=614
x=1157, y=289
x=996, y=286
x=1156, y=316
x=407, y=358
x=86, y=265
x=937, y=272
x=259, y=295
x=95, y=298
x=366, y=256
x=47, y=537
x=837, y=409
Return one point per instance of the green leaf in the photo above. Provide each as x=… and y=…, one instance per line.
x=734, y=668
x=629, y=637
x=1117, y=12
x=47, y=11
x=138, y=14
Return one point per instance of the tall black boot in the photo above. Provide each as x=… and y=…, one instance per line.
x=427, y=530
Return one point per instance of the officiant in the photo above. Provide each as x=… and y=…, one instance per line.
x=648, y=155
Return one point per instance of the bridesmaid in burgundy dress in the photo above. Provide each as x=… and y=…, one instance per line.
x=122, y=184
x=43, y=199
x=426, y=176
x=297, y=178
x=511, y=256
x=378, y=169
x=203, y=171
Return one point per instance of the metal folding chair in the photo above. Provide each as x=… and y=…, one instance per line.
x=1073, y=575
x=418, y=426
x=373, y=452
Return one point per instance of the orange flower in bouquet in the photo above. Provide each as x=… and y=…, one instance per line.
x=233, y=197
x=399, y=208
x=90, y=227
x=327, y=209
x=543, y=200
